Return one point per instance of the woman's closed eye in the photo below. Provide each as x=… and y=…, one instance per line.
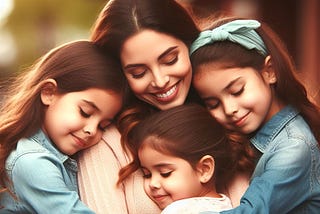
x=135, y=71
x=171, y=60
x=138, y=75
x=170, y=57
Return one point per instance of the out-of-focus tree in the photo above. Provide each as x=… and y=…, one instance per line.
x=36, y=26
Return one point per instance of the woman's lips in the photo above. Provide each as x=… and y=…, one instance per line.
x=167, y=95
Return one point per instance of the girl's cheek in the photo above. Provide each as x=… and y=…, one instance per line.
x=219, y=117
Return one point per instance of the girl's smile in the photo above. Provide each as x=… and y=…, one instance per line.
x=76, y=120
x=241, y=99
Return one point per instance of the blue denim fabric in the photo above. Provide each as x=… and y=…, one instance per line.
x=44, y=180
x=287, y=176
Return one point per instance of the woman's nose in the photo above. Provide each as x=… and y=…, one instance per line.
x=160, y=79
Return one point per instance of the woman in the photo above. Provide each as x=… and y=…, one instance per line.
x=151, y=40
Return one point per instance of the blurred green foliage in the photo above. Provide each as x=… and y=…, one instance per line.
x=36, y=26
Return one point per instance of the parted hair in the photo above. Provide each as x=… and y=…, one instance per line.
x=121, y=19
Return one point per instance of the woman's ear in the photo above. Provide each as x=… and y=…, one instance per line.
x=205, y=168
x=48, y=91
x=268, y=72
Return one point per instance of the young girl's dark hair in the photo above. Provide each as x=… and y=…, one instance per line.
x=188, y=132
x=75, y=66
x=288, y=88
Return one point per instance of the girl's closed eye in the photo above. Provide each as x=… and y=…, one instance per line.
x=237, y=87
x=146, y=173
x=212, y=104
x=166, y=174
x=84, y=113
x=238, y=91
x=104, y=125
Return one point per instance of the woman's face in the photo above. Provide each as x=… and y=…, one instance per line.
x=157, y=67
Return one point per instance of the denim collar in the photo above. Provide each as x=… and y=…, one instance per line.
x=271, y=129
x=41, y=138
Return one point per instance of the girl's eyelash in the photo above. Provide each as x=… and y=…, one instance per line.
x=165, y=175
x=238, y=92
x=84, y=114
x=147, y=176
x=102, y=128
x=210, y=106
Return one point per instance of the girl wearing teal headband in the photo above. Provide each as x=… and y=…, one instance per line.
x=247, y=80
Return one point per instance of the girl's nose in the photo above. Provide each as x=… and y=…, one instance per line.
x=154, y=183
x=230, y=106
x=90, y=129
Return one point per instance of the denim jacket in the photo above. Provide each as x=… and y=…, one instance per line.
x=287, y=176
x=43, y=179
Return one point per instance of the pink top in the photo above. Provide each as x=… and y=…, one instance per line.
x=98, y=175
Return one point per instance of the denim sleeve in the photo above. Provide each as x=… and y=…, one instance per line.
x=40, y=186
x=282, y=181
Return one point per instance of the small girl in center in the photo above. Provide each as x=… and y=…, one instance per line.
x=185, y=157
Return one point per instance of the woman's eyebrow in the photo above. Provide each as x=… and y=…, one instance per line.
x=167, y=51
x=132, y=66
x=159, y=58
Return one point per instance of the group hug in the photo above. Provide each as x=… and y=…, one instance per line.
x=153, y=114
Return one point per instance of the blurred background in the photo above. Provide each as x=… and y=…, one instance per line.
x=29, y=28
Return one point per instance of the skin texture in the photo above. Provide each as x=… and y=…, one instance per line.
x=241, y=99
x=168, y=178
x=157, y=67
x=77, y=120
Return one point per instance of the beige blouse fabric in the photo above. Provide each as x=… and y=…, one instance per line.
x=98, y=173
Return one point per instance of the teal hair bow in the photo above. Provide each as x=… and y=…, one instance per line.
x=241, y=32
